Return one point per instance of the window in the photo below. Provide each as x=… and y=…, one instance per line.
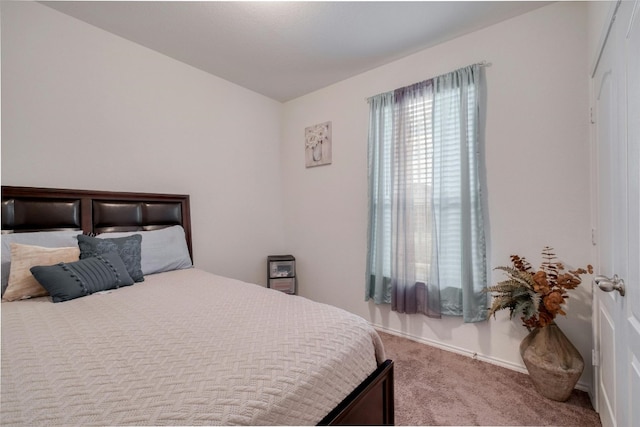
x=426, y=236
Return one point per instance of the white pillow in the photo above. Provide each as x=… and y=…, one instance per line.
x=22, y=284
x=47, y=239
x=162, y=250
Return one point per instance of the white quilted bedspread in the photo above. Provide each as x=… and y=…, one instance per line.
x=181, y=348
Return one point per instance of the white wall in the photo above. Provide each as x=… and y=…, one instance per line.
x=82, y=108
x=537, y=150
x=597, y=20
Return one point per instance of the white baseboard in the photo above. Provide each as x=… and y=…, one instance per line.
x=465, y=352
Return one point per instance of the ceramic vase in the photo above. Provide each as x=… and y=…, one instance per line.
x=554, y=364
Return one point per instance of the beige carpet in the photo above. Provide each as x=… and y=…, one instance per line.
x=437, y=387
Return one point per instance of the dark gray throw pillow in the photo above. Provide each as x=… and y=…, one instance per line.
x=66, y=281
x=129, y=248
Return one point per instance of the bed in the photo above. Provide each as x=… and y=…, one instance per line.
x=182, y=346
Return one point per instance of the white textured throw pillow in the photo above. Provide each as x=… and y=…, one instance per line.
x=162, y=250
x=48, y=239
x=22, y=284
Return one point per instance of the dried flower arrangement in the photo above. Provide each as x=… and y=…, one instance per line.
x=536, y=296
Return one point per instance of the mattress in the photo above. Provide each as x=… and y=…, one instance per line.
x=181, y=348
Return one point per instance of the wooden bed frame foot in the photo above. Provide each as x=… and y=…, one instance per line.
x=371, y=403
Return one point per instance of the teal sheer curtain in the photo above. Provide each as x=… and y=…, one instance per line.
x=426, y=243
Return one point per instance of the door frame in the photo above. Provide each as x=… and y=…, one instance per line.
x=595, y=319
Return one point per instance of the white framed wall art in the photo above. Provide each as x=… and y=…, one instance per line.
x=317, y=140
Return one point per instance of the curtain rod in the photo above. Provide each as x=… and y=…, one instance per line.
x=482, y=63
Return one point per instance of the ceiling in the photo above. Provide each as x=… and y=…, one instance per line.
x=287, y=49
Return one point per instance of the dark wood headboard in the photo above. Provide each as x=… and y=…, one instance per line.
x=27, y=209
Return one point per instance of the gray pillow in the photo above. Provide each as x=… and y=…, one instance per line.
x=67, y=281
x=162, y=250
x=129, y=249
x=47, y=239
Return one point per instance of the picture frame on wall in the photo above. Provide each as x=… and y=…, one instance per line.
x=317, y=140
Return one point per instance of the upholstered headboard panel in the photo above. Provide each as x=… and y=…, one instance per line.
x=40, y=209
